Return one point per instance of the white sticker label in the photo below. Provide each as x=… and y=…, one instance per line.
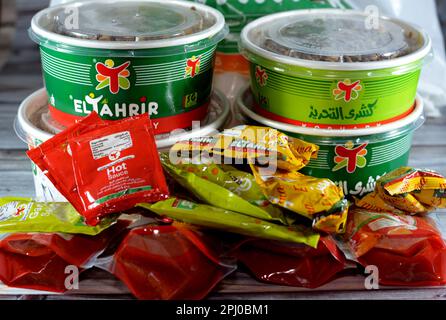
x=111, y=145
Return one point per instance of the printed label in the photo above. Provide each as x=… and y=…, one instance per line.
x=110, y=146
x=13, y=209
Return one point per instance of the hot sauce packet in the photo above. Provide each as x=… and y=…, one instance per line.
x=261, y=145
x=24, y=215
x=318, y=199
x=116, y=167
x=54, y=158
x=230, y=221
x=408, y=190
x=223, y=186
x=407, y=250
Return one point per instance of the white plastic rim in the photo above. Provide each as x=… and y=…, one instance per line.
x=129, y=45
x=248, y=45
x=388, y=127
x=40, y=98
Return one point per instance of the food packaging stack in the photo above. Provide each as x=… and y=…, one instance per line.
x=317, y=183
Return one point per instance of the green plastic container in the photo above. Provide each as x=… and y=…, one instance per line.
x=122, y=58
x=355, y=158
x=333, y=68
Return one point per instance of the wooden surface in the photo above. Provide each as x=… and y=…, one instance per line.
x=22, y=75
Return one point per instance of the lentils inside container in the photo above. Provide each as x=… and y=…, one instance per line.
x=337, y=38
x=131, y=21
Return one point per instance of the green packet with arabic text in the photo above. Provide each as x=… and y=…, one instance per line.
x=224, y=187
x=25, y=215
x=230, y=221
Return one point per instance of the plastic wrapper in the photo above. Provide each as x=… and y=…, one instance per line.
x=54, y=158
x=223, y=186
x=39, y=261
x=407, y=250
x=407, y=190
x=274, y=159
x=103, y=168
x=318, y=199
x=25, y=215
x=260, y=145
x=116, y=167
x=230, y=221
x=170, y=262
x=293, y=264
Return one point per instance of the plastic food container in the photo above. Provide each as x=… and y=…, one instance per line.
x=122, y=58
x=238, y=13
x=354, y=159
x=34, y=125
x=333, y=68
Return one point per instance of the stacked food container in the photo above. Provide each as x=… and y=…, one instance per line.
x=342, y=81
x=120, y=59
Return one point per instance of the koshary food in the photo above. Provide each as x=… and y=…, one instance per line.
x=24, y=215
x=328, y=68
x=223, y=186
x=170, y=262
x=407, y=190
x=116, y=167
x=407, y=250
x=238, y=13
x=225, y=220
x=352, y=158
x=124, y=58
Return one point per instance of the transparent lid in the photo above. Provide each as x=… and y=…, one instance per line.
x=336, y=36
x=126, y=20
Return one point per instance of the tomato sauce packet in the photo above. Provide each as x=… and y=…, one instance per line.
x=407, y=250
x=54, y=158
x=38, y=261
x=116, y=167
x=170, y=262
x=290, y=264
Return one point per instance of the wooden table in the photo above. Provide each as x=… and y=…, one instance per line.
x=22, y=75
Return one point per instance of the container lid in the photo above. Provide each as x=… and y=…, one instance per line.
x=245, y=102
x=331, y=36
x=134, y=24
x=34, y=122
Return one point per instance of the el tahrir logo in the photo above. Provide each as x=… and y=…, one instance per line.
x=114, y=78
x=347, y=90
x=349, y=157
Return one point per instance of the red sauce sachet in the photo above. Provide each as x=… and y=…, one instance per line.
x=407, y=250
x=291, y=264
x=54, y=158
x=116, y=167
x=38, y=261
x=169, y=262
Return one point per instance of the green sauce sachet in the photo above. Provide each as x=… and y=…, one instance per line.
x=25, y=215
